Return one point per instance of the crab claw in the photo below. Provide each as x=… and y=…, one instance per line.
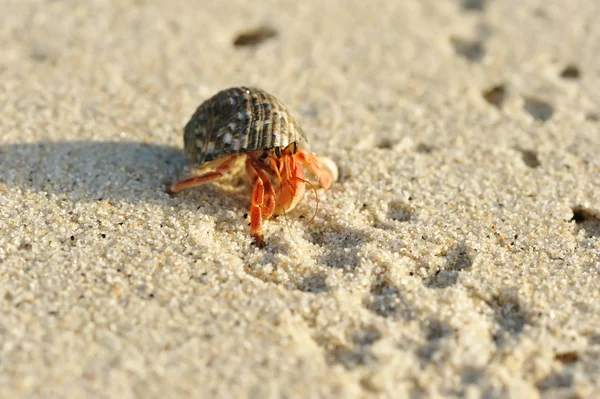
x=324, y=168
x=330, y=170
x=291, y=186
x=291, y=176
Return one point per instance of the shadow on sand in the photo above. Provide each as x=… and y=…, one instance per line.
x=87, y=170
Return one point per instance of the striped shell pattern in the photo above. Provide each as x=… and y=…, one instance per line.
x=239, y=120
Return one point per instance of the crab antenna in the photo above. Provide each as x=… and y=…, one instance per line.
x=287, y=224
x=316, y=198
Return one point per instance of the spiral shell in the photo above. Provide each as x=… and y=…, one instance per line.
x=239, y=120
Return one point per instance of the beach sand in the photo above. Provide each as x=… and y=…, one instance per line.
x=458, y=255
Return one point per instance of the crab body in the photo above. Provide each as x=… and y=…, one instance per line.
x=250, y=122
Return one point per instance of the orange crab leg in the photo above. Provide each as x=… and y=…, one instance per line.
x=316, y=167
x=202, y=179
x=263, y=199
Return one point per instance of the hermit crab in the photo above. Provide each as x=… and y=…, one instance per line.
x=251, y=123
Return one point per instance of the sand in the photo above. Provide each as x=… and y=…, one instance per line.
x=458, y=255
